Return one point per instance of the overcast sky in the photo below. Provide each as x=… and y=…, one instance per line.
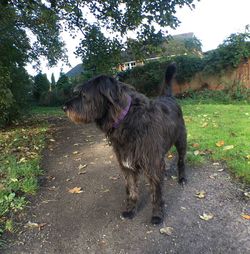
x=211, y=22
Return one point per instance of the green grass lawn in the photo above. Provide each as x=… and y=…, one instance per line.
x=47, y=111
x=20, y=155
x=220, y=133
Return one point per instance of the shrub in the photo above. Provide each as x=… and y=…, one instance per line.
x=148, y=78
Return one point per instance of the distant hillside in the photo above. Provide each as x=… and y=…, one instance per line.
x=76, y=71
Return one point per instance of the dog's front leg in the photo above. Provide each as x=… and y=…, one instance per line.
x=131, y=181
x=156, y=183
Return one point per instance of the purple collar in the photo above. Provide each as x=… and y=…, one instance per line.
x=122, y=114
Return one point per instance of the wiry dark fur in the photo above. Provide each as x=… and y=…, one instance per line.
x=142, y=139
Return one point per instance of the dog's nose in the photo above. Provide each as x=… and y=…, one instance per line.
x=64, y=108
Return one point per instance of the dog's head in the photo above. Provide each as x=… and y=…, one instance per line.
x=100, y=100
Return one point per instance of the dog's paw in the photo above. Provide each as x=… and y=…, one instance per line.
x=128, y=214
x=182, y=181
x=156, y=220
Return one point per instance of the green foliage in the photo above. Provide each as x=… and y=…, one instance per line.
x=41, y=86
x=20, y=153
x=99, y=54
x=148, y=78
x=234, y=50
x=226, y=96
x=181, y=45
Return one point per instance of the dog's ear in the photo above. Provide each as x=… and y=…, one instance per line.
x=113, y=92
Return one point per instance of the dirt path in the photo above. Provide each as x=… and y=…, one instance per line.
x=90, y=222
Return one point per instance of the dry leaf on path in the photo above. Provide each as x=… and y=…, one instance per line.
x=220, y=143
x=76, y=190
x=166, y=230
x=170, y=156
x=82, y=172
x=213, y=176
x=35, y=225
x=206, y=216
x=247, y=194
x=114, y=177
x=200, y=194
x=82, y=166
x=245, y=216
x=220, y=170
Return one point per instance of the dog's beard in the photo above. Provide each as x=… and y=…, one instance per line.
x=76, y=118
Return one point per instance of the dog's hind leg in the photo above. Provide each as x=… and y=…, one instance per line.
x=156, y=182
x=131, y=179
x=181, y=146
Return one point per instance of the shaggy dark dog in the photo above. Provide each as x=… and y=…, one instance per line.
x=140, y=130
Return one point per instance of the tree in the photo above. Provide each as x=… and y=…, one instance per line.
x=99, y=54
x=41, y=85
x=44, y=20
x=181, y=45
x=53, y=82
x=63, y=84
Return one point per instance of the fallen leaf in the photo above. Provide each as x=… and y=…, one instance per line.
x=200, y=194
x=206, y=216
x=76, y=190
x=82, y=166
x=107, y=190
x=197, y=152
x=35, y=225
x=82, y=172
x=228, y=147
x=114, y=177
x=220, y=143
x=75, y=152
x=195, y=145
x=204, y=125
x=247, y=194
x=22, y=160
x=52, y=188
x=216, y=163
x=220, y=170
x=245, y=216
x=170, y=156
x=213, y=176
x=166, y=230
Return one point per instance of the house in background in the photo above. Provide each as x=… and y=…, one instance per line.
x=180, y=44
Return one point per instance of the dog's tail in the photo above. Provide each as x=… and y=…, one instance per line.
x=169, y=76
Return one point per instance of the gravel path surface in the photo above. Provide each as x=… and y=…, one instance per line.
x=89, y=222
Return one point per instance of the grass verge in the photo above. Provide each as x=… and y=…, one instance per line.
x=20, y=155
x=220, y=133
